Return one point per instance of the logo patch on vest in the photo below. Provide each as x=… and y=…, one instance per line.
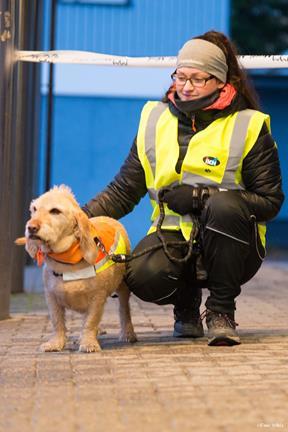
x=211, y=161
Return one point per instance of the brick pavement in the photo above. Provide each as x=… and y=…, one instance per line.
x=160, y=384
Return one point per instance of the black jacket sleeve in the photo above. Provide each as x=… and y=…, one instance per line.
x=262, y=178
x=123, y=193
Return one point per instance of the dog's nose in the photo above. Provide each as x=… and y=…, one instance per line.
x=33, y=228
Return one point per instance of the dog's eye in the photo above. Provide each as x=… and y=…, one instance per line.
x=34, y=209
x=55, y=211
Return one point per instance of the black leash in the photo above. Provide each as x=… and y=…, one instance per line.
x=193, y=247
x=190, y=243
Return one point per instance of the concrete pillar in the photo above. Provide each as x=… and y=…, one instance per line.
x=26, y=117
x=6, y=157
x=20, y=28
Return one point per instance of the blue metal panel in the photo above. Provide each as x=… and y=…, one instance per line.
x=92, y=135
x=275, y=104
x=273, y=92
x=143, y=27
x=46, y=24
x=92, y=138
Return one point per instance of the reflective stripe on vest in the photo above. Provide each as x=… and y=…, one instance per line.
x=118, y=247
x=236, y=149
x=216, y=153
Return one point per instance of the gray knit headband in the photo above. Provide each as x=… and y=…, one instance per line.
x=205, y=56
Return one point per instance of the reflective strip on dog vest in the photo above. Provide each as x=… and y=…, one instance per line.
x=225, y=143
x=118, y=247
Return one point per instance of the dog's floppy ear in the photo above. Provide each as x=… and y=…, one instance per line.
x=83, y=233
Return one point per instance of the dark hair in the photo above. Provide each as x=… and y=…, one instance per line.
x=236, y=76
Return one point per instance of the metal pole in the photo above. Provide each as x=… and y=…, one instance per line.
x=50, y=107
x=6, y=156
x=20, y=27
x=26, y=108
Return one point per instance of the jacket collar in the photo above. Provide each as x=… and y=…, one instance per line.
x=190, y=107
x=203, y=117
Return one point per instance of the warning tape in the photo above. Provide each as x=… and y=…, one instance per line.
x=86, y=57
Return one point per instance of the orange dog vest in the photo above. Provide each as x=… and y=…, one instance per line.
x=104, y=232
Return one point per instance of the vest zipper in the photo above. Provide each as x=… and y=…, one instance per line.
x=193, y=123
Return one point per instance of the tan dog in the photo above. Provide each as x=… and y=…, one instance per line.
x=58, y=225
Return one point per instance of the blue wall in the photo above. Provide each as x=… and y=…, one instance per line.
x=92, y=137
x=97, y=110
x=93, y=134
x=140, y=28
x=274, y=102
x=273, y=92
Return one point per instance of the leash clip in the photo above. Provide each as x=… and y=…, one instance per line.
x=100, y=245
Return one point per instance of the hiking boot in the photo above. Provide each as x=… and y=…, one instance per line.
x=221, y=329
x=187, y=320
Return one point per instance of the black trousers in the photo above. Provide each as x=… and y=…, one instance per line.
x=231, y=251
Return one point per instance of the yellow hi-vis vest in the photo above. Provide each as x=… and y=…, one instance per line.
x=214, y=156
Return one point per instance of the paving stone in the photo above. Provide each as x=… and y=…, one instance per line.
x=161, y=383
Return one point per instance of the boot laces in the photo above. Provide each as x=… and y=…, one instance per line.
x=219, y=316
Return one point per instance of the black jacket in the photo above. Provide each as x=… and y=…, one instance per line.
x=260, y=171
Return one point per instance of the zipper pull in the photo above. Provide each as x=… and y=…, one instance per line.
x=193, y=123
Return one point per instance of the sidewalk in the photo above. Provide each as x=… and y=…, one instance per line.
x=159, y=384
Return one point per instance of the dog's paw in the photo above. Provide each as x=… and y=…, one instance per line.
x=128, y=336
x=89, y=347
x=101, y=331
x=52, y=345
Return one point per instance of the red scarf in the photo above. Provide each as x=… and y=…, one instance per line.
x=226, y=96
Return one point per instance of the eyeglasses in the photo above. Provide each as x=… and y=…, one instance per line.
x=195, y=82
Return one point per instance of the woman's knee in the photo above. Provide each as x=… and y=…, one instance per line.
x=224, y=208
x=153, y=277
x=227, y=203
x=153, y=282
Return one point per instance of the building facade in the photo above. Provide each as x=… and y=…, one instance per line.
x=96, y=109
